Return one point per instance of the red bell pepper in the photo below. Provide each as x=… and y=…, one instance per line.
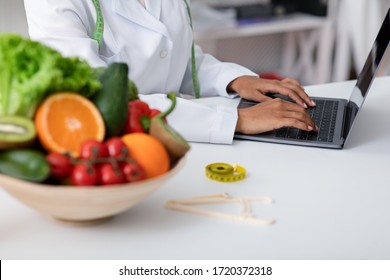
x=139, y=116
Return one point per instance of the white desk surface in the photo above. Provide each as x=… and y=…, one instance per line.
x=329, y=204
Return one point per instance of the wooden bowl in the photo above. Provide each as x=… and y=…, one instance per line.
x=84, y=205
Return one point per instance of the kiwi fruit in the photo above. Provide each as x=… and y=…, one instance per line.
x=16, y=132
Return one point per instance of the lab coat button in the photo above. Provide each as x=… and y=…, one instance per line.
x=163, y=54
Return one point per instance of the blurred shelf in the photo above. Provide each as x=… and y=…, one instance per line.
x=290, y=23
x=306, y=45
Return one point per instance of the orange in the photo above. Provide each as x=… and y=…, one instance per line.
x=148, y=152
x=65, y=120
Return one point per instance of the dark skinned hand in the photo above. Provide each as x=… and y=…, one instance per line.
x=272, y=113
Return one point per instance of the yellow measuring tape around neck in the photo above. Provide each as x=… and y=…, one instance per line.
x=224, y=172
x=98, y=36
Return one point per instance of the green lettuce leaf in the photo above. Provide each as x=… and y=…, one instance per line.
x=29, y=71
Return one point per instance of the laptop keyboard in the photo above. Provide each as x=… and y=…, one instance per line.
x=323, y=115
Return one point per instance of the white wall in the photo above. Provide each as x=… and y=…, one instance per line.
x=12, y=17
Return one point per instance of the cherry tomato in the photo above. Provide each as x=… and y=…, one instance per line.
x=60, y=165
x=84, y=174
x=116, y=147
x=132, y=171
x=93, y=149
x=109, y=174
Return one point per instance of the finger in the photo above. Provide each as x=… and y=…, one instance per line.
x=293, y=89
x=304, y=96
x=285, y=122
x=262, y=98
x=299, y=95
x=291, y=81
x=286, y=89
x=256, y=95
x=302, y=118
x=293, y=111
x=293, y=84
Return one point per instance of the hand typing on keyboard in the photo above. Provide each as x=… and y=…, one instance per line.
x=324, y=115
x=273, y=113
x=255, y=89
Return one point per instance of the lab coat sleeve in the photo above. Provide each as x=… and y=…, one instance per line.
x=57, y=24
x=198, y=122
x=214, y=75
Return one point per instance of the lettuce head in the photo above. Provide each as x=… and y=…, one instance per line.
x=29, y=71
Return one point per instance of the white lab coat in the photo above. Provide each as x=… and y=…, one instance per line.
x=156, y=44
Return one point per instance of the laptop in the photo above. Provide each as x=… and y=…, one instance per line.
x=334, y=117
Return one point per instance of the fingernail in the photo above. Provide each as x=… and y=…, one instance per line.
x=313, y=103
x=310, y=127
x=304, y=105
x=317, y=128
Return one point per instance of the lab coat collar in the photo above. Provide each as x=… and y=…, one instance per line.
x=133, y=11
x=155, y=8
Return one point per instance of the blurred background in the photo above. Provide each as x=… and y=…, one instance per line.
x=314, y=41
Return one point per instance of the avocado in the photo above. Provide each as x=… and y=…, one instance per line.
x=112, y=99
x=16, y=132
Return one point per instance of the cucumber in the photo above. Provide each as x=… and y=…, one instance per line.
x=175, y=144
x=112, y=99
x=25, y=164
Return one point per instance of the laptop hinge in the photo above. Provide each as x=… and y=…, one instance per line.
x=346, y=121
x=351, y=111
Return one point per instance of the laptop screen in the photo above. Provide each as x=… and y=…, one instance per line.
x=370, y=67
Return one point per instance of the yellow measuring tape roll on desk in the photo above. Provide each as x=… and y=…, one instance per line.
x=224, y=172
